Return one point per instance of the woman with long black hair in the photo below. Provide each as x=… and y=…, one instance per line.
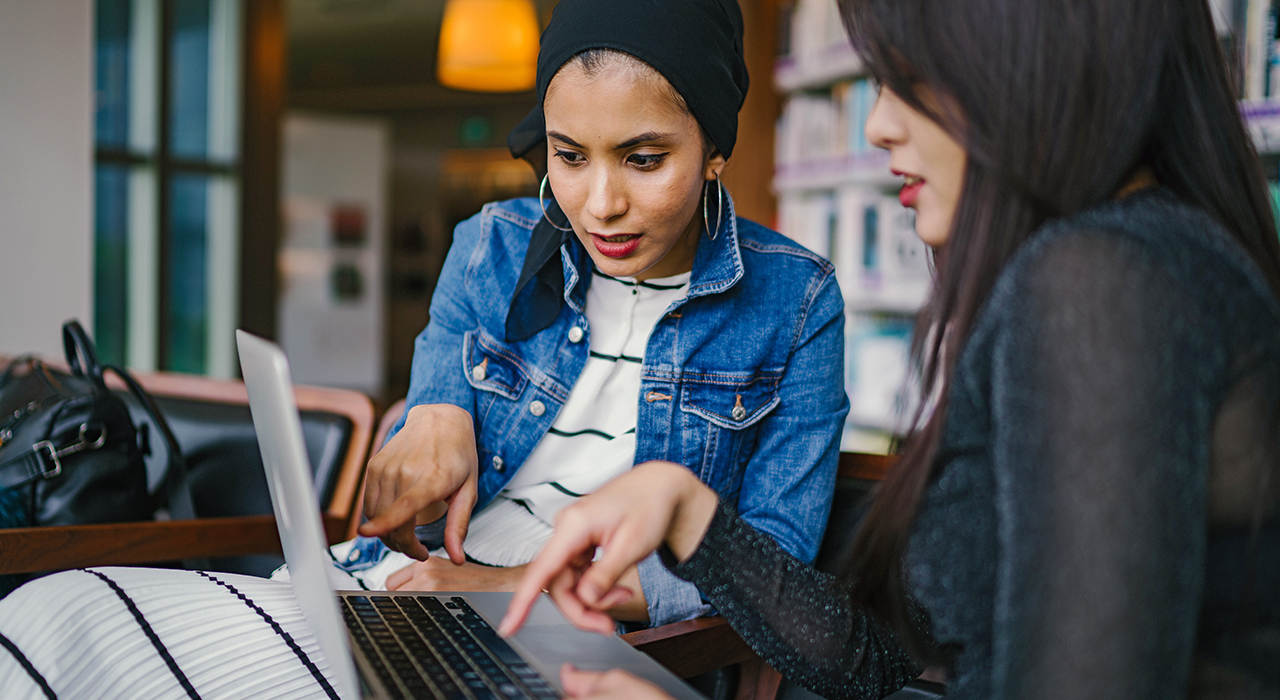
x=1087, y=508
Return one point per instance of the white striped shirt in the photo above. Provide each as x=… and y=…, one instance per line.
x=593, y=438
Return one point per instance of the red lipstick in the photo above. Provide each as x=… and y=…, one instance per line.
x=910, y=188
x=617, y=245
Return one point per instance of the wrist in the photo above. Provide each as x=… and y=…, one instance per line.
x=695, y=508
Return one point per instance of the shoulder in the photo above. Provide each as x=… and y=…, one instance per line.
x=1148, y=236
x=1148, y=255
x=498, y=222
x=486, y=257
x=497, y=238
x=768, y=247
x=783, y=279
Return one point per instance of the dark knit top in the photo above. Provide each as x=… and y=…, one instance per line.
x=1092, y=530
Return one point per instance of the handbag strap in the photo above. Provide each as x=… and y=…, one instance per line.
x=178, y=489
x=7, y=375
x=42, y=460
x=78, y=347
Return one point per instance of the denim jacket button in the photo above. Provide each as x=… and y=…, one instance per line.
x=479, y=372
x=575, y=334
x=537, y=408
x=739, y=413
x=498, y=464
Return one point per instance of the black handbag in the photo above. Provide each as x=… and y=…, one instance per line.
x=69, y=452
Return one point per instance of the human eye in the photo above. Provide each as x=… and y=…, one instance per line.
x=646, y=161
x=570, y=158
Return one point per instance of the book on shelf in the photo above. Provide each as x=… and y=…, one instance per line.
x=870, y=238
x=815, y=29
x=827, y=126
x=881, y=263
x=1249, y=31
x=877, y=362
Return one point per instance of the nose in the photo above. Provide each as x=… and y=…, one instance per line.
x=885, y=127
x=605, y=199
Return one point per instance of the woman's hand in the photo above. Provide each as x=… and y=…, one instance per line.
x=429, y=466
x=628, y=518
x=436, y=575
x=609, y=685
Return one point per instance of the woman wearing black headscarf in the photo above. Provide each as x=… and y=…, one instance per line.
x=626, y=315
x=602, y=325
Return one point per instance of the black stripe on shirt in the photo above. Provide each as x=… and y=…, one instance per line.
x=151, y=634
x=26, y=666
x=615, y=358
x=556, y=485
x=647, y=285
x=275, y=627
x=523, y=504
x=589, y=431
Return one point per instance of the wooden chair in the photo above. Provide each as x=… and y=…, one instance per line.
x=338, y=422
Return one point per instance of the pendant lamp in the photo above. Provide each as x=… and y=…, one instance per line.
x=488, y=45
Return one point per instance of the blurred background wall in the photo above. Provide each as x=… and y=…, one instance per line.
x=46, y=158
x=171, y=170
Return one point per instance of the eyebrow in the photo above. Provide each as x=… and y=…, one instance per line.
x=633, y=141
x=559, y=136
x=642, y=138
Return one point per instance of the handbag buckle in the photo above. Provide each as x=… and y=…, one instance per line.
x=53, y=457
x=56, y=455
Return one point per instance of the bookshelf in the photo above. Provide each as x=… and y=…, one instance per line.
x=836, y=196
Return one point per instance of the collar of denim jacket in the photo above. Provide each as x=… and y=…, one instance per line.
x=717, y=263
x=717, y=266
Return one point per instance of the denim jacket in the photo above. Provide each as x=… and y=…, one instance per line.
x=742, y=380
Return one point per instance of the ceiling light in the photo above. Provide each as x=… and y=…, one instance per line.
x=488, y=45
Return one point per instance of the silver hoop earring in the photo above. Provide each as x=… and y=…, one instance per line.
x=706, y=216
x=542, y=203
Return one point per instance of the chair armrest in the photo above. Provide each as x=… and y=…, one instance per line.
x=38, y=549
x=692, y=647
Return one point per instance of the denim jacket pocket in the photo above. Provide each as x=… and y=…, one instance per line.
x=732, y=400
x=489, y=366
x=724, y=411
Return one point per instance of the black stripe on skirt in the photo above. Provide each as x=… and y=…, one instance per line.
x=288, y=638
x=26, y=666
x=151, y=634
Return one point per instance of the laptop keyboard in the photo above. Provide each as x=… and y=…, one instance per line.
x=421, y=649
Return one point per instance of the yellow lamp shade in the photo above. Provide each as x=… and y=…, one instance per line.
x=488, y=45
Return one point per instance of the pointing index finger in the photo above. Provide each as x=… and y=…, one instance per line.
x=554, y=558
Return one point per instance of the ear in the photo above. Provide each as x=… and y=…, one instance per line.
x=714, y=167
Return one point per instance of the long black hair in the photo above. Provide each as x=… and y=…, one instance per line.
x=1058, y=103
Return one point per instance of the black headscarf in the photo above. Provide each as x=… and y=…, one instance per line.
x=695, y=44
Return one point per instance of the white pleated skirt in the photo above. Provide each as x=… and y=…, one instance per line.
x=131, y=633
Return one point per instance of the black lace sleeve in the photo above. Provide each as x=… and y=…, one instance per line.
x=797, y=618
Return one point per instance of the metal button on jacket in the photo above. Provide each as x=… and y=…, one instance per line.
x=575, y=334
x=498, y=464
x=480, y=371
x=537, y=408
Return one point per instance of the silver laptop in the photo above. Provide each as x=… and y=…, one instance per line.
x=408, y=644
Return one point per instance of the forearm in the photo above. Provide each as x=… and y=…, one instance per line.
x=798, y=619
